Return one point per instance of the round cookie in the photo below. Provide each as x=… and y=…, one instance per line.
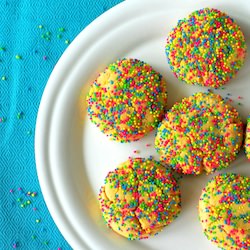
x=224, y=211
x=200, y=133
x=127, y=100
x=207, y=48
x=139, y=198
x=247, y=140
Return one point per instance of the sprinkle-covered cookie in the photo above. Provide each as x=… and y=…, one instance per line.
x=127, y=100
x=201, y=133
x=247, y=140
x=224, y=211
x=139, y=198
x=207, y=48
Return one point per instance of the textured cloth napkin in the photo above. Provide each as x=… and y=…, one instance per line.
x=33, y=35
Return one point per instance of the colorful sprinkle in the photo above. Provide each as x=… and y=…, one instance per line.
x=224, y=211
x=20, y=115
x=61, y=29
x=3, y=119
x=208, y=48
x=127, y=100
x=139, y=198
x=201, y=133
x=67, y=41
x=18, y=57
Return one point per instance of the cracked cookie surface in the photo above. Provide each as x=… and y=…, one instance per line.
x=200, y=133
x=207, y=48
x=139, y=198
x=224, y=211
x=127, y=100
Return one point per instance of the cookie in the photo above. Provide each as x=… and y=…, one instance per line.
x=200, y=133
x=127, y=100
x=207, y=48
x=139, y=198
x=224, y=211
x=247, y=139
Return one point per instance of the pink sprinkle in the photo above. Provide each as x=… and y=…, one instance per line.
x=34, y=208
x=148, y=145
x=240, y=97
x=14, y=245
x=11, y=191
x=19, y=189
x=44, y=57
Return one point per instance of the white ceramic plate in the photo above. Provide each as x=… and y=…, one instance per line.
x=73, y=156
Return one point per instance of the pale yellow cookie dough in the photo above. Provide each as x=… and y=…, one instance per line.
x=139, y=198
x=224, y=211
x=207, y=48
x=200, y=133
x=127, y=100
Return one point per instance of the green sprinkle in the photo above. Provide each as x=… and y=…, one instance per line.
x=59, y=36
x=29, y=132
x=2, y=49
x=3, y=119
x=20, y=115
x=3, y=78
x=40, y=26
x=61, y=29
x=33, y=237
x=18, y=57
x=67, y=41
x=38, y=220
x=45, y=242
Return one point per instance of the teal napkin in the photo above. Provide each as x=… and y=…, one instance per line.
x=33, y=36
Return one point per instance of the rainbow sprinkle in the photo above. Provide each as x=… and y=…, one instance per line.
x=139, y=198
x=201, y=133
x=127, y=100
x=224, y=211
x=207, y=48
